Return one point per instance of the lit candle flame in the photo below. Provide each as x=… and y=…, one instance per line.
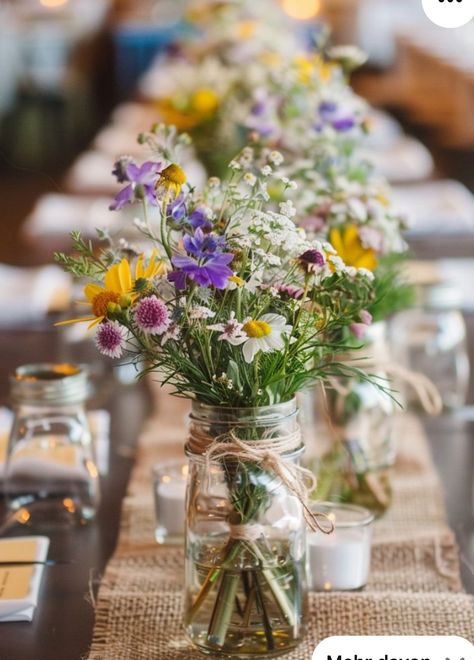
x=52, y=4
x=302, y=10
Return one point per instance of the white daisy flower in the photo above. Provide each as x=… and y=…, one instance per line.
x=231, y=331
x=276, y=158
x=264, y=334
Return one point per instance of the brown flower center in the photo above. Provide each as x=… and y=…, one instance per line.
x=102, y=300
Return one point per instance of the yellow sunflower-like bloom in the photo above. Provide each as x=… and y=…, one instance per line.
x=117, y=289
x=349, y=247
x=310, y=66
x=172, y=179
x=188, y=112
x=155, y=267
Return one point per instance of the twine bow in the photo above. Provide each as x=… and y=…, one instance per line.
x=269, y=455
x=427, y=392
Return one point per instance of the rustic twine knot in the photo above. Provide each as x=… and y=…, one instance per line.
x=271, y=455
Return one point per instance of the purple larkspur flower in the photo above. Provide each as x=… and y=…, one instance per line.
x=177, y=208
x=208, y=265
x=198, y=219
x=259, y=108
x=151, y=315
x=344, y=123
x=141, y=183
x=327, y=110
x=311, y=260
x=203, y=245
x=210, y=271
x=332, y=114
x=110, y=338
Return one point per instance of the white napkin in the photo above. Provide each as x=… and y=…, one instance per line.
x=385, y=130
x=441, y=207
x=406, y=159
x=56, y=214
x=134, y=117
x=19, y=585
x=91, y=174
x=99, y=424
x=27, y=294
x=115, y=141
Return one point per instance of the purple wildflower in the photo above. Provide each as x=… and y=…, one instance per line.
x=142, y=182
x=151, y=316
x=311, y=260
x=198, y=219
x=327, y=110
x=110, y=338
x=344, y=123
x=290, y=291
x=210, y=271
x=177, y=208
x=203, y=245
x=332, y=114
x=207, y=266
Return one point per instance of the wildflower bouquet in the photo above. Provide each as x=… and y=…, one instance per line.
x=235, y=307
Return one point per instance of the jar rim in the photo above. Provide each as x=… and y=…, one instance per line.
x=202, y=412
x=362, y=517
x=48, y=383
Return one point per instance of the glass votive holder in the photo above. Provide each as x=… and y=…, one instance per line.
x=340, y=561
x=169, y=491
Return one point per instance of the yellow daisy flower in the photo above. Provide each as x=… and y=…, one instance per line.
x=118, y=286
x=349, y=247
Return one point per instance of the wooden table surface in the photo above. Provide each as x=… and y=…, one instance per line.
x=62, y=626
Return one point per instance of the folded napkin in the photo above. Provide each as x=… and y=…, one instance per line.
x=19, y=585
x=134, y=116
x=115, y=140
x=28, y=294
x=385, y=130
x=65, y=462
x=442, y=207
x=405, y=159
x=58, y=215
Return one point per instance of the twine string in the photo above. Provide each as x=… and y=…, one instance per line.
x=426, y=391
x=269, y=455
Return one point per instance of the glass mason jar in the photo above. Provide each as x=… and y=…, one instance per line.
x=245, y=538
x=50, y=473
x=432, y=340
x=353, y=449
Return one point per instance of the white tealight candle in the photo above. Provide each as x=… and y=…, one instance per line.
x=170, y=505
x=340, y=561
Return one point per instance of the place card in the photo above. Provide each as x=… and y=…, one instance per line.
x=19, y=585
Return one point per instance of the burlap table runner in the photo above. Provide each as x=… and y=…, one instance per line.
x=414, y=586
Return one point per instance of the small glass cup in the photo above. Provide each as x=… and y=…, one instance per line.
x=340, y=561
x=169, y=491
